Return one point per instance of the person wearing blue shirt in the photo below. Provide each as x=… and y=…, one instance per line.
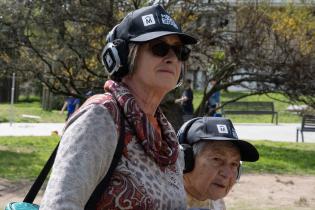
x=71, y=104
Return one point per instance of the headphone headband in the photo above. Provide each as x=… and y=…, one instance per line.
x=111, y=35
x=182, y=133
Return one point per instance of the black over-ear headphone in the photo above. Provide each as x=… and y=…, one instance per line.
x=115, y=56
x=187, y=149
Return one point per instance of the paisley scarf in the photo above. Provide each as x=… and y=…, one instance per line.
x=162, y=148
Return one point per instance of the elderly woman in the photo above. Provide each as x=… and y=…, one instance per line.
x=143, y=56
x=212, y=152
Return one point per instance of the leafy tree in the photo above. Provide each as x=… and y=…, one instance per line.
x=262, y=52
x=294, y=29
x=59, y=42
x=257, y=46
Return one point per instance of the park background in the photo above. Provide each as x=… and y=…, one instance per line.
x=262, y=49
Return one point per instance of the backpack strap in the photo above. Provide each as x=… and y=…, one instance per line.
x=29, y=198
x=97, y=194
x=107, y=100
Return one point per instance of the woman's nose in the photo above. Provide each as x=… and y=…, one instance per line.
x=171, y=56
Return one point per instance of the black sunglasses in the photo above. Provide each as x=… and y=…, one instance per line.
x=161, y=49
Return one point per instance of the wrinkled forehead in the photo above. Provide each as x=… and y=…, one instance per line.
x=220, y=148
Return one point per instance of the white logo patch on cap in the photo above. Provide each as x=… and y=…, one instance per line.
x=167, y=20
x=148, y=20
x=222, y=128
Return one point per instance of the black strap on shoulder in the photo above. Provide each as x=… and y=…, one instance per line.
x=96, y=195
x=29, y=198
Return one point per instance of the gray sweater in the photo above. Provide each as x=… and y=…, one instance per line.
x=83, y=158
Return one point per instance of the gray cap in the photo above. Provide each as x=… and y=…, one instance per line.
x=220, y=129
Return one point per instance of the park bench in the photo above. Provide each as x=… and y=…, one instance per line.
x=307, y=125
x=250, y=107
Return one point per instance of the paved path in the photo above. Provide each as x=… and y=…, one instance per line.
x=30, y=129
x=253, y=131
x=281, y=132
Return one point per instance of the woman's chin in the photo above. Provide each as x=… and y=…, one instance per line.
x=167, y=84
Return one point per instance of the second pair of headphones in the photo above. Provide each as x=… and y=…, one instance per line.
x=115, y=56
x=187, y=148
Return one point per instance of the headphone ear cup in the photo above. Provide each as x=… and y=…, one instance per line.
x=185, y=146
x=123, y=51
x=114, y=58
x=188, y=158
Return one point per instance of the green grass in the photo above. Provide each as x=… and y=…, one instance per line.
x=32, y=107
x=283, y=115
x=283, y=158
x=29, y=108
x=23, y=157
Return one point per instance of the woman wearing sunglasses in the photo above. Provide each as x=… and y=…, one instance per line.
x=144, y=55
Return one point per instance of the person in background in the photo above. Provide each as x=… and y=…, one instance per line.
x=89, y=93
x=211, y=155
x=187, y=98
x=71, y=104
x=144, y=55
x=214, y=100
x=186, y=101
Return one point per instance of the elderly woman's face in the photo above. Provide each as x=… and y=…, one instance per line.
x=159, y=72
x=215, y=170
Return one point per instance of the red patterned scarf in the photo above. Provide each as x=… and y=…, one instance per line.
x=164, y=150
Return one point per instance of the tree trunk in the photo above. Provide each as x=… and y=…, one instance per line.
x=5, y=90
x=47, y=98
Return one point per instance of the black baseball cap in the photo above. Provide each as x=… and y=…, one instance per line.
x=149, y=23
x=220, y=129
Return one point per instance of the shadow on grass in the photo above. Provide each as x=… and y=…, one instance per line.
x=3, y=119
x=29, y=99
x=232, y=95
x=275, y=159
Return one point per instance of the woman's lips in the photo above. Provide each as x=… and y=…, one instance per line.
x=219, y=185
x=166, y=71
